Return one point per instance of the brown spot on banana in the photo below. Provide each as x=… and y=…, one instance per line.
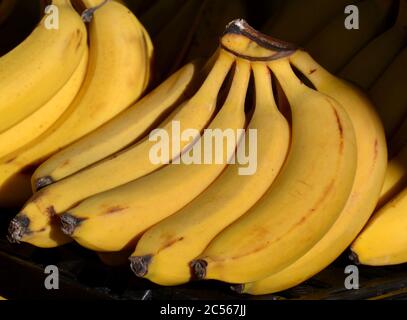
x=115, y=209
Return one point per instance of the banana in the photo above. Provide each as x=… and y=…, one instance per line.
x=6, y=8
x=399, y=139
x=297, y=20
x=158, y=16
x=120, y=132
x=135, y=161
x=370, y=172
x=309, y=193
x=383, y=242
x=335, y=45
x=118, y=68
x=38, y=122
x=112, y=221
x=215, y=16
x=389, y=94
x=173, y=41
x=396, y=177
x=25, y=87
x=164, y=251
x=374, y=58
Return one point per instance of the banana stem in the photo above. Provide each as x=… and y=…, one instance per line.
x=87, y=15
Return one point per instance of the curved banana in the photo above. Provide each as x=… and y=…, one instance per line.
x=30, y=75
x=396, y=177
x=335, y=45
x=370, y=172
x=6, y=8
x=135, y=161
x=307, y=196
x=112, y=221
x=118, y=68
x=389, y=94
x=374, y=58
x=118, y=133
x=38, y=122
x=384, y=242
x=170, y=245
x=297, y=21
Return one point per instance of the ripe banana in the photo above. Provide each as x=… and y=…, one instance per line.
x=335, y=45
x=119, y=66
x=372, y=60
x=163, y=253
x=297, y=20
x=307, y=196
x=383, y=242
x=38, y=122
x=25, y=87
x=114, y=220
x=6, y=8
x=389, y=94
x=370, y=172
x=125, y=129
x=396, y=177
x=135, y=161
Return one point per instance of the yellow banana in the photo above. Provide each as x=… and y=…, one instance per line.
x=389, y=94
x=135, y=161
x=118, y=133
x=374, y=58
x=118, y=68
x=113, y=220
x=297, y=20
x=30, y=75
x=163, y=253
x=194, y=114
x=335, y=45
x=307, y=196
x=6, y=8
x=38, y=122
x=396, y=177
x=383, y=241
x=370, y=172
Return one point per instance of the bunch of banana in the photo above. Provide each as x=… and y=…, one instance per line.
x=47, y=105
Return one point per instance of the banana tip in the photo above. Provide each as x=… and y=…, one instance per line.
x=43, y=182
x=238, y=288
x=69, y=223
x=198, y=268
x=139, y=264
x=18, y=227
x=354, y=257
